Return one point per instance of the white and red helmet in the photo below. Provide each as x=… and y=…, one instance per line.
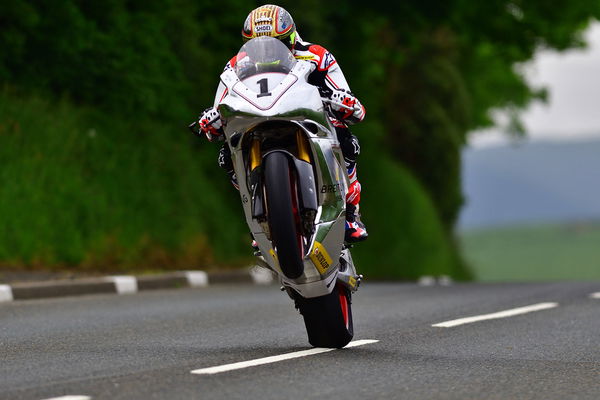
x=270, y=20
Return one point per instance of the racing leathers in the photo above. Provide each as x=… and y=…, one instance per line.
x=346, y=110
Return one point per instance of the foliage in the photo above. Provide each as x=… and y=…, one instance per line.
x=77, y=189
x=137, y=71
x=410, y=240
x=444, y=67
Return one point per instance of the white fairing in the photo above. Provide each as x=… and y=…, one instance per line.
x=246, y=96
x=275, y=96
x=265, y=82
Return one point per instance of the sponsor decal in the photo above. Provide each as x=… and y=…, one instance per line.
x=328, y=60
x=320, y=258
x=330, y=188
x=263, y=28
x=311, y=57
x=274, y=255
x=283, y=19
x=263, y=19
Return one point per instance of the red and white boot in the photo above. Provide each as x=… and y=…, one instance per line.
x=355, y=229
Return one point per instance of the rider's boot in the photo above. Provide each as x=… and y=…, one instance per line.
x=355, y=229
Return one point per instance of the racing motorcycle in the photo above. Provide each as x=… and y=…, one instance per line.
x=292, y=183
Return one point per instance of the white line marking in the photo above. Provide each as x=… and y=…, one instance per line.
x=274, y=359
x=5, y=293
x=76, y=397
x=595, y=295
x=125, y=284
x=497, y=315
x=197, y=278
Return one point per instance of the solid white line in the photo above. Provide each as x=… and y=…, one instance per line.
x=5, y=293
x=595, y=295
x=274, y=359
x=497, y=315
x=76, y=397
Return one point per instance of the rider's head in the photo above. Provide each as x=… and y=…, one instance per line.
x=270, y=20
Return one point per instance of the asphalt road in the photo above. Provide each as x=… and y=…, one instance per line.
x=145, y=346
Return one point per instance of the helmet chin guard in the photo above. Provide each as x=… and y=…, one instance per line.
x=270, y=20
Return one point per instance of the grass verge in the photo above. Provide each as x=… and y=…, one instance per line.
x=530, y=253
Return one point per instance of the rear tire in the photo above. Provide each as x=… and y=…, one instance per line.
x=282, y=219
x=328, y=319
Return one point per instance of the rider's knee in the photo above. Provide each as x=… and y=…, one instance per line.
x=349, y=145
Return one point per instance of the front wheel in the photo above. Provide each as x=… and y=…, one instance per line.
x=282, y=201
x=328, y=319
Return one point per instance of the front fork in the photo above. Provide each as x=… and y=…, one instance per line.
x=256, y=187
x=306, y=184
x=301, y=145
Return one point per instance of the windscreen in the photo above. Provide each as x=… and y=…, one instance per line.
x=263, y=54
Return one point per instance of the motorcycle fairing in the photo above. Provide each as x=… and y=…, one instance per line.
x=299, y=104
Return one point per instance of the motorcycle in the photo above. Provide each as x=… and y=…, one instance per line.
x=292, y=183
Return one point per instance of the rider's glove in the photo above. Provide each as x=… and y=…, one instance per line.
x=346, y=106
x=211, y=125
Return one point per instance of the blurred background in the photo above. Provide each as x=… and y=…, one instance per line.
x=99, y=173
x=533, y=203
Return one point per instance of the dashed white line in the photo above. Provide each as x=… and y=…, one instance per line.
x=497, y=315
x=72, y=397
x=274, y=359
x=595, y=295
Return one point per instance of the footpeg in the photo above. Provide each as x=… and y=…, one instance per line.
x=359, y=279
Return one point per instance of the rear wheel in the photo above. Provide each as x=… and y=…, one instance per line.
x=282, y=202
x=328, y=319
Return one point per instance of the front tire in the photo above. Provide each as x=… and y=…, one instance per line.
x=282, y=206
x=328, y=319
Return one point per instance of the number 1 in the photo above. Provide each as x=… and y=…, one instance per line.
x=264, y=87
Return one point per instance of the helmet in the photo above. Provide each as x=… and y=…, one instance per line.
x=270, y=20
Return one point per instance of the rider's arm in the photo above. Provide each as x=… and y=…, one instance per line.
x=345, y=104
x=209, y=121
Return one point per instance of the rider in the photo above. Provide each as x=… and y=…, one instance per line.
x=274, y=21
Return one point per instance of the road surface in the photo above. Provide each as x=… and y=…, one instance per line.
x=465, y=341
